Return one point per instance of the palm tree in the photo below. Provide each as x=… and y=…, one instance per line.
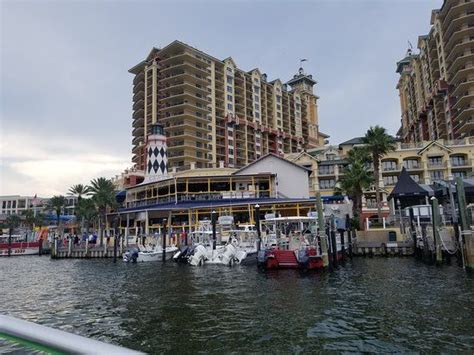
x=378, y=143
x=79, y=191
x=103, y=195
x=356, y=179
x=86, y=210
x=56, y=204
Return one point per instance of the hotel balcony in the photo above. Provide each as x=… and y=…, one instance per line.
x=468, y=125
x=138, y=131
x=138, y=78
x=460, y=62
x=462, y=87
x=463, y=101
x=138, y=122
x=390, y=169
x=139, y=87
x=463, y=17
x=465, y=114
x=458, y=36
x=181, y=56
x=461, y=75
x=140, y=104
x=459, y=47
x=461, y=163
x=139, y=96
x=137, y=140
x=137, y=149
x=138, y=113
x=434, y=166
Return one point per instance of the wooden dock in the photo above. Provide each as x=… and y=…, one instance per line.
x=83, y=251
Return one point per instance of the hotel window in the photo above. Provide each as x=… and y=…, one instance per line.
x=229, y=88
x=458, y=160
x=461, y=174
x=278, y=114
x=255, y=81
x=437, y=175
x=4, y=204
x=229, y=69
x=389, y=165
x=231, y=151
x=435, y=161
x=390, y=180
x=411, y=164
x=278, y=107
x=326, y=170
x=256, y=97
x=327, y=183
x=256, y=89
x=229, y=106
x=257, y=106
x=229, y=97
x=230, y=80
x=257, y=115
x=331, y=156
x=278, y=98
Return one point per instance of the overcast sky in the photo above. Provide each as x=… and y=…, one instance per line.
x=66, y=94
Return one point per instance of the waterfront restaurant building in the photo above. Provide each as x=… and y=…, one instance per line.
x=186, y=197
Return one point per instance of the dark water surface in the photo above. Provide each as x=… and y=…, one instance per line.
x=375, y=305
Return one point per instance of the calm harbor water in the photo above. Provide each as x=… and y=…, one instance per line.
x=370, y=305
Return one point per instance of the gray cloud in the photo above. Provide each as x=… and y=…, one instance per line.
x=65, y=89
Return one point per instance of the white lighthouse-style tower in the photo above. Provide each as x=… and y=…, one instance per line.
x=156, y=153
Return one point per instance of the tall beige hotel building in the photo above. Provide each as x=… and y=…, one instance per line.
x=436, y=85
x=217, y=115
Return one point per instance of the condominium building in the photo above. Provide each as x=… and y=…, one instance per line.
x=217, y=115
x=16, y=204
x=427, y=162
x=436, y=85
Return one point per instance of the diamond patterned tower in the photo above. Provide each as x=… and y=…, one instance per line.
x=156, y=154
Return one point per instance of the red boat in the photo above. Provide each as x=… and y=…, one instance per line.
x=17, y=246
x=290, y=243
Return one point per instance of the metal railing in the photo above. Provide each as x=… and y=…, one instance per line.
x=33, y=336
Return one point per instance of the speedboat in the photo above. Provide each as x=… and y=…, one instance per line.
x=149, y=252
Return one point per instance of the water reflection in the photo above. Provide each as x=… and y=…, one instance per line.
x=367, y=305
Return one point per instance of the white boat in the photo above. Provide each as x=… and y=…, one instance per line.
x=18, y=246
x=206, y=250
x=150, y=252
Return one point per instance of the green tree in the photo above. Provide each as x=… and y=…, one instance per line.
x=86, y=211
x=79, y=190
x=378, y=143
x=33, y=220
x=56, y=204
x=103, y=194
x=356, y=178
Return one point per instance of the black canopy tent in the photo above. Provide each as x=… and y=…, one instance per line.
x=408, y=191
